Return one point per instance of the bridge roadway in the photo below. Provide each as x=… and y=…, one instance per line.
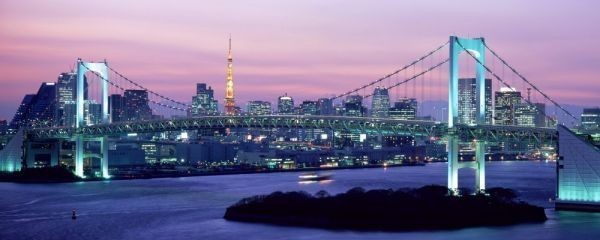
x=383, y=126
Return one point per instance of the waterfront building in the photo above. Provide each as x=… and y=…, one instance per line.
x=116, y=107
x=258, y=108
x=590, y=120
x=506, y=101
x=353, y=106
x=285, y=105
x=66, y=93
x=381, y=103
x=325, y=106
x=309, y=108
x=92, y=112
x=530, y=115
x=20, y=117
x=37, y=109
x=204, y=103
x=3, y=126
x=404, y=109
x=136, y=105
x=467, y=100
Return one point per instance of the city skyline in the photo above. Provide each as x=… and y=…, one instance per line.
x=325, y=51
x=313, y=119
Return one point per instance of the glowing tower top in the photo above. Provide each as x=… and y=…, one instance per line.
x=230, y=108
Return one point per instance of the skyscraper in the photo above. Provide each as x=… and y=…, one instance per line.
x=404, y=109
x=3, y=126
x=353, y=106
x=590, y=119
x=467, y=101
x=37, y=109
x=309, y=108
x=136, y=106
x=285, y=105
x=204, y=102
x=66, y=95
x=230, y=108
x=381, y=103
x=506, y=101
x=66, y=86
x=116, y=106
x=20, y=118
x=258, y=108
x=530, y=115
x=92, y=112
x=325, y=106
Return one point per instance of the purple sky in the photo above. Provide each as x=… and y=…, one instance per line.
x=308, y=49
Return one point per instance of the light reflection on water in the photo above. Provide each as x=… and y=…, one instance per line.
x=192, y=208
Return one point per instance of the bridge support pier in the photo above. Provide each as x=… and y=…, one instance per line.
x=453, y=162
x=480, y=165
x=79, y=156
x=104, y=159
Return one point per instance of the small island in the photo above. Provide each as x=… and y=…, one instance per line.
x=426, y=208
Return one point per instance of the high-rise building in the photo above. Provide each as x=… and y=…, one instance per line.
x=258, y=108
x=506, y=101
x=309, y=108
x=37, y=109
x=381, y=103
x=590, y=119
x=540, y=117
x=404, y=109
x=136, y=105
x=325, y=106
x=92, y=112
x=467, y=100
x=3, y=126
x=66, y=93
x=203, y=103
x=21, y=116
x=116, y=106
x=66, y=87
x=285, y=105
x=353, y=106
x=530, y=115
x=43, y=109
x=230, y=108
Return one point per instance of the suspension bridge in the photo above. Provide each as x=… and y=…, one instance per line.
x=434, y=75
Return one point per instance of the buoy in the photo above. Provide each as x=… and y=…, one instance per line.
x=73, y=216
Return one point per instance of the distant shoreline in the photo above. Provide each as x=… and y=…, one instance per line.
x=150, y=175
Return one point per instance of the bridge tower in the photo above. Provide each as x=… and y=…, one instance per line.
x=101, y=68
x=476, y=47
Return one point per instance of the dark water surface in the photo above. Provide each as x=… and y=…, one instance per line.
x=192, y=208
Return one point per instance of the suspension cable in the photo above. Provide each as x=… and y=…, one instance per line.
x=414, y=76
x=150, y=91
x=506, y=84
x=123, y=89
x=391, y=74
x=527, y=81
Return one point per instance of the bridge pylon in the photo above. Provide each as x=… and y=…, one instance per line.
x=101, y=69
x=477, y=48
